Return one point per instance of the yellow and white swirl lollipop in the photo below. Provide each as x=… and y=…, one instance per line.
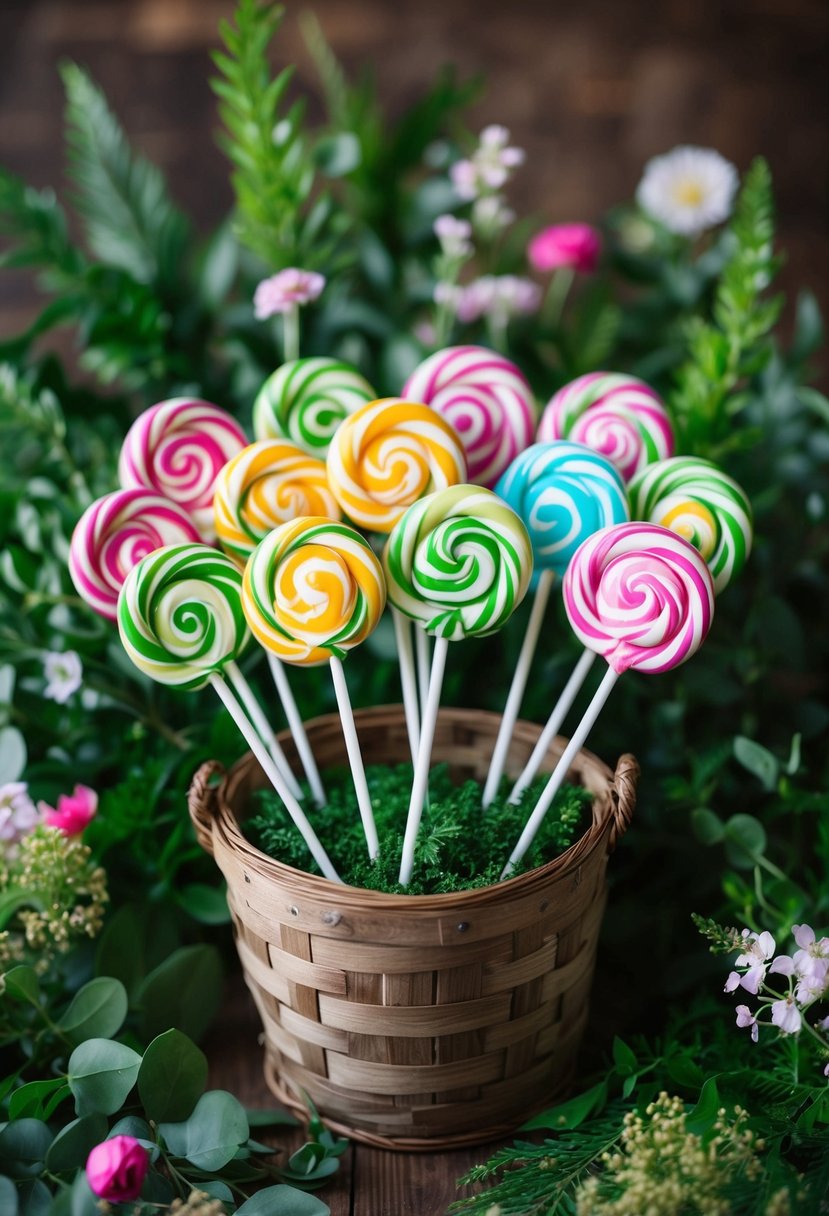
x=389, y=454
x=312, y=590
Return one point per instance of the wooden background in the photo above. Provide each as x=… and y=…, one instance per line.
x=590, y=89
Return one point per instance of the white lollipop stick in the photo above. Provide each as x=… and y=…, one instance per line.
x=355, y=758
x=262, y=726
x=519, y=683
x=424, y=756
x=423, y=663
x=273, y=774
x=408, y=679
x=560, y=772
x=297, y=729
x=560, y=711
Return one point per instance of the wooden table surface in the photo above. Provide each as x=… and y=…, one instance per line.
x=370, y=1182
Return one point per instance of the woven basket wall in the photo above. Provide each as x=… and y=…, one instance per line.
x=420, y=1021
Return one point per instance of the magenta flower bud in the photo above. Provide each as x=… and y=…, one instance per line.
x=574, y=245
x=116, y=1169
x=74, y=811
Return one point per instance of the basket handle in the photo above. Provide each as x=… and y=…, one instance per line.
x=201, y=802
x=624, y=798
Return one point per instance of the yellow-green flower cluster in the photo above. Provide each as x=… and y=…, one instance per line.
x=63, y=897
x=660, y=1168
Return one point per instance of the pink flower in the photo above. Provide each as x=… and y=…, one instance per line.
x=286, y=290
x=453, y=235
x=786, y=1015
x=74, y=811
x=116, y=1169
x=17, y=811
x=575, y=245
x=759, y=948
x=746, y=1018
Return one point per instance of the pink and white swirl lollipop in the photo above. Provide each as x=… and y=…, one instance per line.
x=643, y=598
x=177, y=448
x=617, y=415
x=114, y=534
x=486, y=398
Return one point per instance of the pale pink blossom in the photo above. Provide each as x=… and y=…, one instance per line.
x=74, y=811
x=786, y=1015
x=746, y=1018
x=18, y=814
x=811, y=948
x=490, y=166
x=576, y=246
x=63, y=671
x=813, y=982
x=116, y=1169
x=289, y=289
x=464, y=177
x=759, y=948
x=490, y=214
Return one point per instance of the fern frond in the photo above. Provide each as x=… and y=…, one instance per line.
x=129, y=219
x=35, y=224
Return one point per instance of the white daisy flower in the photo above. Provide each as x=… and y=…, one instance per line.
x=688, y=189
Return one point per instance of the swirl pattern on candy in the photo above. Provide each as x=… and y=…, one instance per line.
x=305, y=400
x=617, y=415
x=486, y=398
x=267, y=484
x=640, y=596
x=696, y=500
x=180, y=615
x=564, y=492
x=114, y=534
x=389, y=454
x=313, y=589
x=459, y=562
x=177, y=449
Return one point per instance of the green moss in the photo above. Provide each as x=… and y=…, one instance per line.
x=459, y=845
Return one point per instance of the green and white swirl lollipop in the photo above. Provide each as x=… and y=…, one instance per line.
x=459, y=562
x=305, y=400
x=699, y=502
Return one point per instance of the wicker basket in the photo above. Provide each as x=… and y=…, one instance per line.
x=420, y=1021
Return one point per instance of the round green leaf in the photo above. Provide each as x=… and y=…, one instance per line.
x=73, y=1144
x=23, y=1147
x=12, y=754
x=212, y=1134
x=745, y=841
x=283, y=1201
x=184, y=991
x=8, y=1197
x=758, y=760
x=101, y=1074
x=131, y=1125
x=97, y=1011
x=707, y=826
x=22, y=982
x=172, y=1077
x=205, y=903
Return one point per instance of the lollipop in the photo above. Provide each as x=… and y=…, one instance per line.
x=177, y=448
x=643, y=598
x=389, y=454
x=617, y=415
x=486, y=399
x=564, y=492
x=459, y=562
x=181, y=622
x=306, y=400
x=312, y=590
x=112, y=536
x=265, y=485
x=696, y=500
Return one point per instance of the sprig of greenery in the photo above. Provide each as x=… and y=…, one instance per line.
x=35, y=223
x=130, y=221
x=726, y=351
x=274, y=173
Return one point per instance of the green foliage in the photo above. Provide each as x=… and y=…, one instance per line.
x=734, y=345
x=458, y=847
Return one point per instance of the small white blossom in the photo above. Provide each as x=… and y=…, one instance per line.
x=490, y=166
x=688, y=190
x=759, y=949
x=786, y=1015
x=63, y=671
x=454, y=236
x=746, y=1018
x=490, y=215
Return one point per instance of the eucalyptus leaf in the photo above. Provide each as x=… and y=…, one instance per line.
x=101, y=1075
x=8, y=1197
x=745, y=841
x=213, y=1133
x=12, y=754
x=73, y=1143
x=707, y=827
x=84, y=1201
x=183, y=992
x=35, y=1198
x=97, y=1011
x=758, y=760
x=204, y=903
x=283, y=1201
x=28, y=1099
x=22, y=982
x=172, y=1077
x=23, y=1147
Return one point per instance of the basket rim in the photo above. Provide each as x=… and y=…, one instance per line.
x=302, y=883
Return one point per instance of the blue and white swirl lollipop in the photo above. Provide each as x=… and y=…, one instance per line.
x=564, y=492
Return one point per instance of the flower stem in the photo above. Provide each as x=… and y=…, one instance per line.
x=290, y=334
x=557, y=293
